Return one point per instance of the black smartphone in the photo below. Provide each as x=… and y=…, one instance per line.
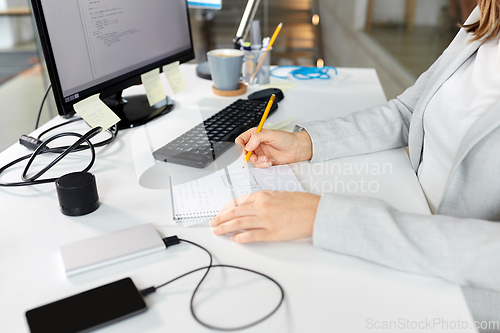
x=89, y=310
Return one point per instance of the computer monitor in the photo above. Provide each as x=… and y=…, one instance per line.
x=103, y=46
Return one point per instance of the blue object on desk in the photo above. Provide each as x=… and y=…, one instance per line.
x=307, y=73
x=207, y=4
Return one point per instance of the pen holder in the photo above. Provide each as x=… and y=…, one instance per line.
x=262, y=57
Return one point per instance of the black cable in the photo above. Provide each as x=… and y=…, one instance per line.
x=82, y=138
x=63, y=150
x=113, y=131
x=75, y=119
x=203, y=278
x=41, y=106
x=150, y=290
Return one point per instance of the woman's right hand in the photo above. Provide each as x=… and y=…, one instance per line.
x=272, y=147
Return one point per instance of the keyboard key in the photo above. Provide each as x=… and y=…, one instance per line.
x=200, y=145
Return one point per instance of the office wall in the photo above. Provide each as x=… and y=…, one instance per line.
x=392, y=11
x=6, y=37
x=345, y=44
x=15, y=30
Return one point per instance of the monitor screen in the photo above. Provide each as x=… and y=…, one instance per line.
x=103, y=46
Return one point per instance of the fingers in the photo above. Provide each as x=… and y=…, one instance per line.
x=266, y=136
x=240, y=210
x=252, y=141
x=227, y=207
x=254, y=235
x=234, y=203
x=234, y=219
x=259, y=161
x=263, y=165
x=255, y=158
x=243, y=138
x=237, y=224
x=262, y=162
x=269, y=216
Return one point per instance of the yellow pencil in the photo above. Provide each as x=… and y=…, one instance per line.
x=261, y=124
x=271, y=42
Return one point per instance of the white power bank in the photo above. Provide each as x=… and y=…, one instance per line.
x=111, y=248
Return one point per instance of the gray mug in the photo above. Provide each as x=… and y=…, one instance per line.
x=225, y=68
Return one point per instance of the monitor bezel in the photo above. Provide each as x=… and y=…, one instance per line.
x=107, y=88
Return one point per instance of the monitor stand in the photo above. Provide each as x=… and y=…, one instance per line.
x=135, y=110
x=203, y=71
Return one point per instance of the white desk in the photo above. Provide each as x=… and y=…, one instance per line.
x=325, y=291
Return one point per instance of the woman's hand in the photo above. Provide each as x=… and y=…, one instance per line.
x=268, y=216
x=275, y=147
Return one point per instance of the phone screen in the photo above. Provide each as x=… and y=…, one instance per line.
x=88, y=310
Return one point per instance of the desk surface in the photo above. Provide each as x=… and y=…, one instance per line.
x=325, y=291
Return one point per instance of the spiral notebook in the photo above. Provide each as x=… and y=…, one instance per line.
x=198, y=196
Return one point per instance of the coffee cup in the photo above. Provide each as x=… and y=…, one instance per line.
x=225, y=68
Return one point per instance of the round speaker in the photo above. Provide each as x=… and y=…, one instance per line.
x=77, y=193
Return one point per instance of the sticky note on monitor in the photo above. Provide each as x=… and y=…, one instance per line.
x=154, y=88
x=96, y=113
x=174, y=77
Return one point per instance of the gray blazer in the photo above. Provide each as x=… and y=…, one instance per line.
x=461, y=242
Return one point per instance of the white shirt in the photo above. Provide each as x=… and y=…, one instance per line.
x=457, y=105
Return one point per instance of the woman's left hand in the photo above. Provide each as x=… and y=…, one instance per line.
x=268, y=216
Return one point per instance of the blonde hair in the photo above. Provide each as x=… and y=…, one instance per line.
x=488, y=25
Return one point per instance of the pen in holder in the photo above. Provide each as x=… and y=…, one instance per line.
x=263, y=60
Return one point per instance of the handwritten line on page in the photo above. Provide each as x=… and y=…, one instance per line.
x=96, y=113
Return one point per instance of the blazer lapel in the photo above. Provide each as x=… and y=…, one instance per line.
x=455, y=60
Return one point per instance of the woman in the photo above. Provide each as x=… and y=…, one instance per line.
x=450, y=119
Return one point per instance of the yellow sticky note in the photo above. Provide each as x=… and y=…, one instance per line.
x=154, y=88
x=174, y=77
x=279, y=126
x=96, y=113
x=283, y=85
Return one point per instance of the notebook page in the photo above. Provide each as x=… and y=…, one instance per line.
x=201, y=195
x=198, y=195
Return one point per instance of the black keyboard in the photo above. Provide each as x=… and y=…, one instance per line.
x=202, y=144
